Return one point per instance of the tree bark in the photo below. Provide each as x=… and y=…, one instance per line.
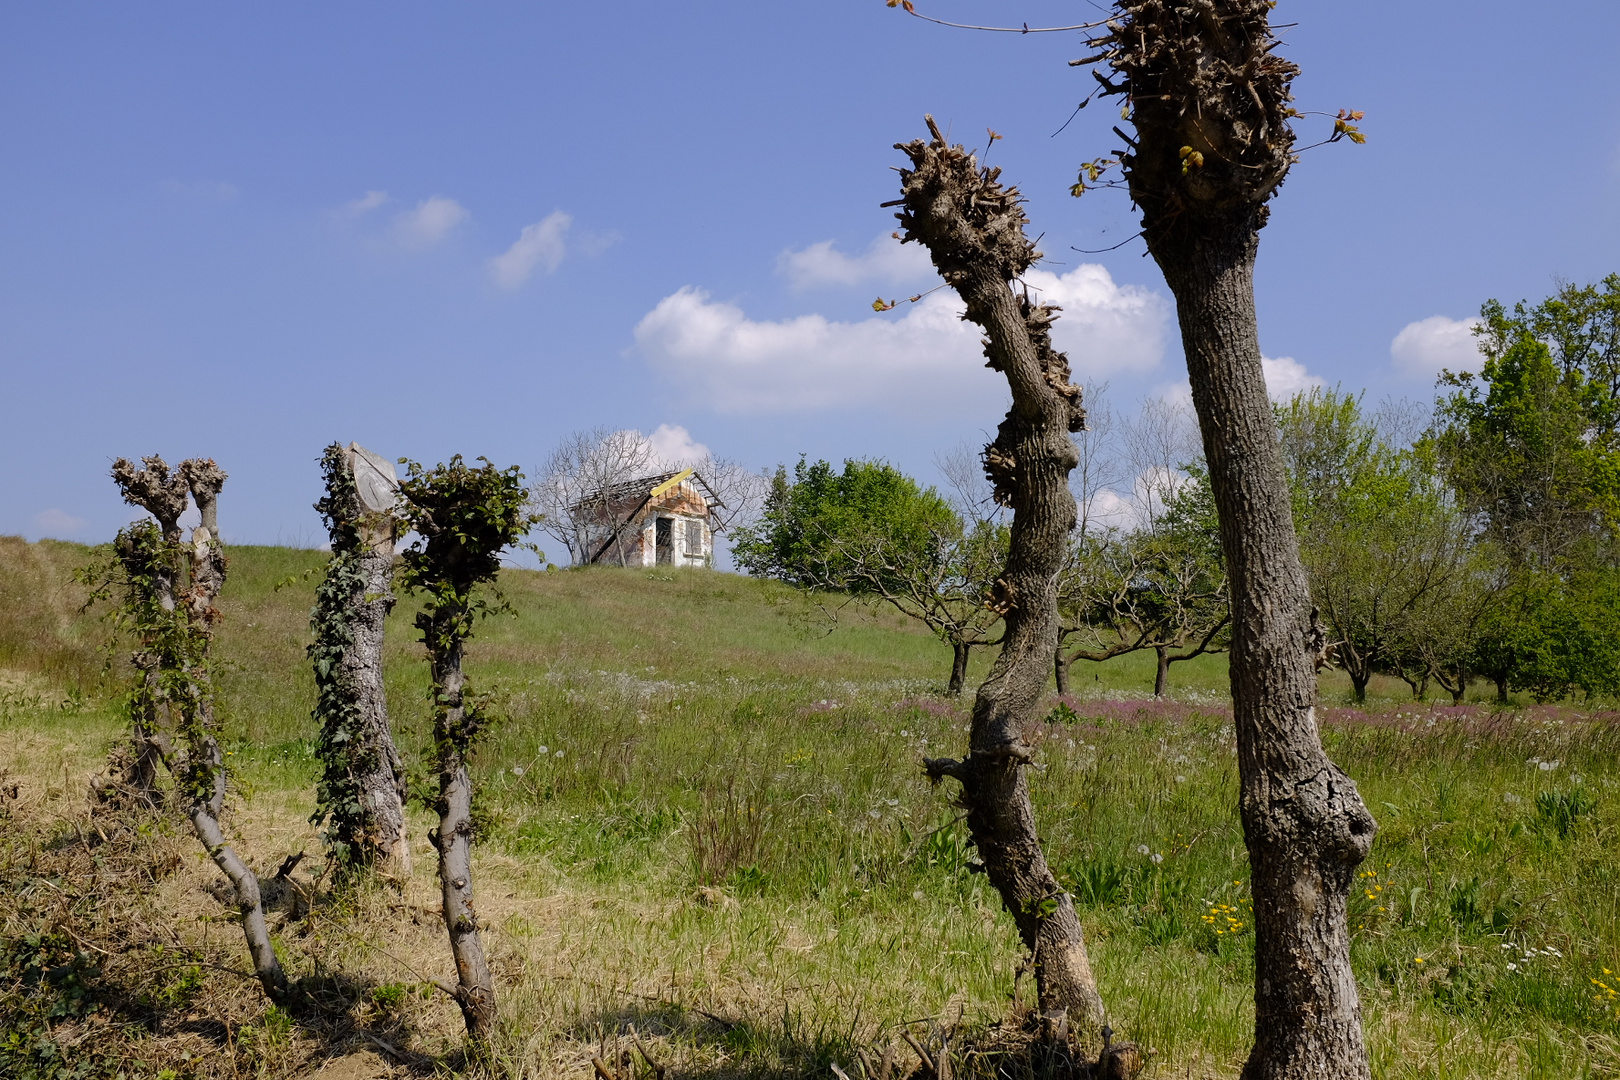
x=380, y=775
x=959, y=665
x=1060, y=667
x=1161, y=674
x=1210, y=101
x=204, y=815
x=163, y=495
x=1303, y=820
x=475, y=990
x=973, y=229
x=362, y=788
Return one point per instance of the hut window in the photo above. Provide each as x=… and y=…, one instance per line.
x=694, y=537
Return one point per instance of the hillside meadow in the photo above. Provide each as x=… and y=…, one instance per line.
x=702, y=816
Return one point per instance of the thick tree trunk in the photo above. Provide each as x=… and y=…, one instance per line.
x=1161, y=675
x=1501, y=688
x=1303, y=820
x=959, y=665
x=1060, y=667
x=362, y=789
x=1358, y=685
x=973, y=229
x=475, y=990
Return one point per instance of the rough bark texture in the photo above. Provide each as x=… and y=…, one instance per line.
x=1210, y=105
x=973, y=229
x=163, y=495
x=362, y=789
x=1060, y=667
x=454, y=728
x=195, y=573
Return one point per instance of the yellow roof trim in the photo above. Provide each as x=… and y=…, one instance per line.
x=670, y=484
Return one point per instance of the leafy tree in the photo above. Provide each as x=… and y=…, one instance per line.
x=1161, y=586
x=1531, y=443
x=465, y=517
x=1379, y=532
x=872, y=531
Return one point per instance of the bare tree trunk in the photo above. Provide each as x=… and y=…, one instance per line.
x=959, y=665
x=475, y=991
x=204, y=814
x=1161, y=674
x=205, y=766
x=973, y=229
x=1060, y=667
x=362, y=788
x=1210, y=101
x=1303, y=820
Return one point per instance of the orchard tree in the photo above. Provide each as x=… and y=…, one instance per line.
x=871, y=531
x=973, y=230
x=1160, y=586
x=1531, y=443
x=361, y=793
x=1380, y=533
x=464, y=517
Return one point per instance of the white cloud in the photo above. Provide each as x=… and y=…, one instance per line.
x=886, y=261
x=540, y=244
x=928, y=355
x=1104, y=328
x=1422, y=348
x=365, y=204
x=1286, y=377
x=673, y=445
x=430, y=221
x=58, y=524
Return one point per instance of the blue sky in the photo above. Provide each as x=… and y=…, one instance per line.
x=243, y=231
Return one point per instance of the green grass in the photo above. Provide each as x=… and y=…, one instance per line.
x=703, y=812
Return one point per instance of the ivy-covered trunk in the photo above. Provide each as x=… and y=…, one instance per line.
x=361, y=794
x=973, y=229
x=177, y=624
x=465, y=517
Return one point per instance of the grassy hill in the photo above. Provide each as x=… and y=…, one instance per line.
x=702, y=813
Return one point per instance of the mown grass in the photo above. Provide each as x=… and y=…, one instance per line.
x=703, y=814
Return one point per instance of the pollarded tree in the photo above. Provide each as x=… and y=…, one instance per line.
x=148, y=584
x=465, y=517
x=973, y=229
x=172, y=591
x=1209, y=98
x=361, y=793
